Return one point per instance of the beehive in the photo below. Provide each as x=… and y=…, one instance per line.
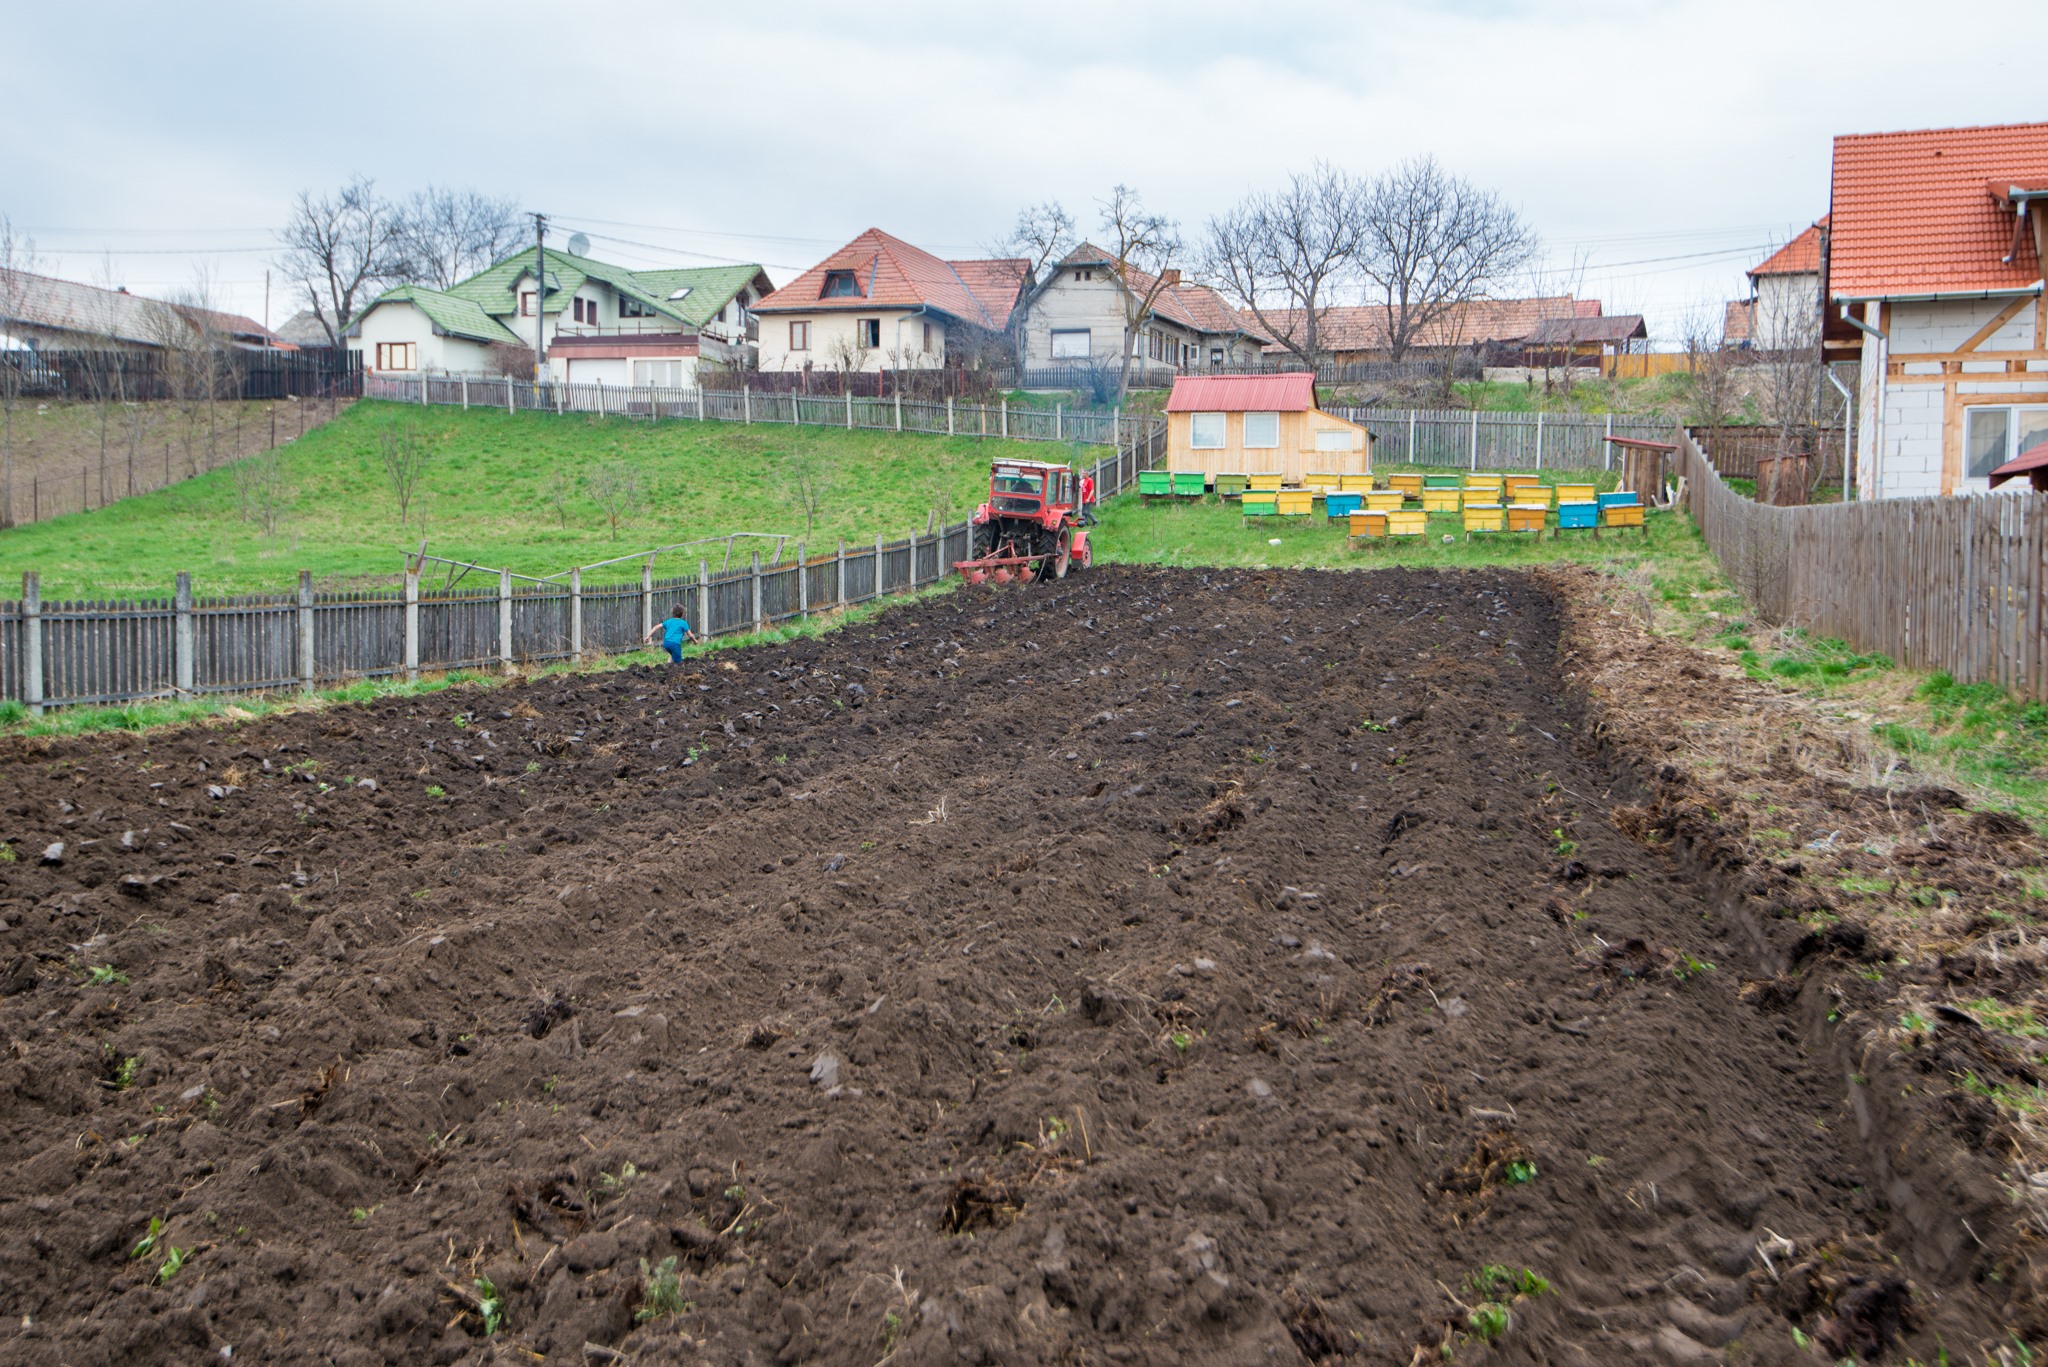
x=1368, y=524
x=1295, y=502
x=1264, y=479
x=1440, y=500
x=1342, y=504
x=1355, y=484
x=1407, y=522
x=1483, y=517
x=1385, y=500
x=1527, y=517
x=1410, y=486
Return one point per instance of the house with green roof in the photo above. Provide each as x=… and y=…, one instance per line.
x=599, y=322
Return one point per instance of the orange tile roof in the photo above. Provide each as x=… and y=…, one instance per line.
x=894, y=274
x=1290, y=393
x=1800, y=256
x=1195, y=307
x=1913, y=213
x=1364, y=327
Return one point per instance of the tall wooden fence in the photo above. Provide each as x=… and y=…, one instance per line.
x=1476, y=439
x=1736, y=450
x=57, y=653
x=144, y=374
x=1949, y=583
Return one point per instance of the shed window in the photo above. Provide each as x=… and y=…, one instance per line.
x=1335, y=439
x=1993, y=436
x=1205, y=431
x=1070, y=344
x=1261, y=431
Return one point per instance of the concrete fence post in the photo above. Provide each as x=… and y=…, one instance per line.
x=754, y=586
x=465, y=393
x=849, y=408
x=1006, y=417
x=32, y=641
x=839, y=574
x=646, y=597
x=508, y=393
x=703, y=599
x=1411, y=436
x=1539, y=440
x=576, y=613
x=746, y=403
x=423, y=391
x=184, y=671
x=899, y=406
x=306, y=662
x=1475, y=439
x=1607, y=447
x=1058, y=423
x=700, y=403
x=505, y=620
x=803, y=581
x=949, y=415
x=878, y=564
x=412, y=622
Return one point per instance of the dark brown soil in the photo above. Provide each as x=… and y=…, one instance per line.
x=1157, y=967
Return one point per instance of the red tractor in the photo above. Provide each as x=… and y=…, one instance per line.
x=1030, y=528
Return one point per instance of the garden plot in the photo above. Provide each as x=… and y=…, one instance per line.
x=1161, y=966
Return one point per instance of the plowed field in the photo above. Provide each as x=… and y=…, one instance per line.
x=1155, y=967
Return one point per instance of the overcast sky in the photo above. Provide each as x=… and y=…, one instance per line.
x=1663, y=145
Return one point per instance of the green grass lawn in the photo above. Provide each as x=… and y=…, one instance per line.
x=504, y=489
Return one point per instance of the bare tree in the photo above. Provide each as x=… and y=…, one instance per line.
x=1433, y=241
x=340, y=248
x=1710, y=365
x=17, y=266
x=558, y=488
x=1143, y=248
x=440, y=236
x=406, y=456
x=261, y=489
x=808, y=474
x=203, y=358
x=848, y=353
x=1040, y=239
x=614, y=486
x=1787, y=380
x=1294, y=250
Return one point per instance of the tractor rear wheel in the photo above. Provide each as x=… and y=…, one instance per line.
x=1062, y=557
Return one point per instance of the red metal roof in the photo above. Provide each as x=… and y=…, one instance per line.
x=1914, y=213
x=1800, y=256
x=1366, y=327
x=2035, y=457
x=1288, y=393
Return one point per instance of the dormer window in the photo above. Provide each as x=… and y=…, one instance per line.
x=632, y=308
x=842, y=285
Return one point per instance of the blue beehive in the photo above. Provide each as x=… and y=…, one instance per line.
x=1343, y=505
x=1578, y=516
x=1622, y=496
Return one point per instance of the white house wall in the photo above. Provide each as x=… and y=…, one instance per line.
x=832, y=334
x=434, y=353
x=1916, y=385
x=1787, y=312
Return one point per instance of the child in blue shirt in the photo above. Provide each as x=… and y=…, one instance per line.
x=674, y=629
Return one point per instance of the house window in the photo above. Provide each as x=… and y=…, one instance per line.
x=1993, y=436
x=1070, y=344
x=628, y=308
x=799, y=336
x=526, y=303
x=927, y=336
x=841, y=285
x=396, y=356
x=663, y=372
x=867, y=332
x=1261, y=431
x=1085, y=275
x=1205, y=431
x=1216, y=355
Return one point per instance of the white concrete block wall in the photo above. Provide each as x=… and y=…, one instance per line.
x=1909, y=464
x=1940, y=325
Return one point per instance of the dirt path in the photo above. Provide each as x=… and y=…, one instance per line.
x=1159, y=967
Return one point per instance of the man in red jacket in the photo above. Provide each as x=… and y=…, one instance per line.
x=1087, y=500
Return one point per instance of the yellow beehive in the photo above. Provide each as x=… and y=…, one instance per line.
x=1408, y=522
x=1440, y=500
x=1385, y=500
x=1484, y=481
x=1531, y=492
x=1354, y=484
x=1514, y=483
x=1483, y=517
x=1622, y=515
x=1479, y=498
x=1409, y=485
x=1323, y=479
x=1269, y=479
x=1295, y=502
x=1368, y=524
x=1527, y=517
x=1576, y=493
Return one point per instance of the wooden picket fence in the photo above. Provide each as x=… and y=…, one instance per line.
x=1944, y=583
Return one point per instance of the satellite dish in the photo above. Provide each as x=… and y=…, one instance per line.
x=579, y=245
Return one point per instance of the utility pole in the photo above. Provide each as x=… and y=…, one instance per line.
x=540, y=298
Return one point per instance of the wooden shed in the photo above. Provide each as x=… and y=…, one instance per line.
x=1259, y=424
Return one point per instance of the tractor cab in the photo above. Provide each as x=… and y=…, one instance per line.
x=1029, y=488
